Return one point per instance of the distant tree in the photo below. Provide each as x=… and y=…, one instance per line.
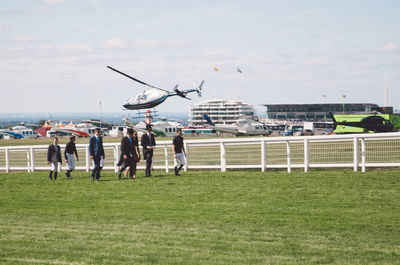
x=42, y=122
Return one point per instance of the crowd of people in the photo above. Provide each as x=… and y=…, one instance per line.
x=130, y=154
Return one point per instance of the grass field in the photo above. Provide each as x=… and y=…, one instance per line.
x=201, y=218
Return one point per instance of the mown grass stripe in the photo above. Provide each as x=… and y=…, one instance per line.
x=201, y=218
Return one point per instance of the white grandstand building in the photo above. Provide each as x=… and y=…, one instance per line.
x=220, y=111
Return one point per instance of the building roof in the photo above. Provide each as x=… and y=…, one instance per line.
x=324, y=104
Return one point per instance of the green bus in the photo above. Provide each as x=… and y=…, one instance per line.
x=393, y=118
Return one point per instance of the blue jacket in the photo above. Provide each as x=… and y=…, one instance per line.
x=92, y=147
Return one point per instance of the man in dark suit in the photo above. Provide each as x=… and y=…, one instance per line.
x=96, y=152
x=129, y=157
x=148, y=143
x=54, y=157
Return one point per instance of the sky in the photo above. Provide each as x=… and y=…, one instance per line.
x=54, y=53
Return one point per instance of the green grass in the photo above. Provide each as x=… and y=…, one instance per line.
x=201, y=218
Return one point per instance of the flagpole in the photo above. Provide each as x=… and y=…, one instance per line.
x=100, y=116
x=343, y=96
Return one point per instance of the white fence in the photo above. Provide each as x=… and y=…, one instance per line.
x=357, y=151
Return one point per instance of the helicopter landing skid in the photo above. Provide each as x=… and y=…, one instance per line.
x=148, y=113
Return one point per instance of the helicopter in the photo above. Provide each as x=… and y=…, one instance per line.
x=154, y=96
x=242, y=127
x=373, y=123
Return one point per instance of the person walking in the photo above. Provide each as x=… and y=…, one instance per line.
x=136, y=144
x=96, y=152
x=148, y=143
x=129, y=156
x=70, y=150
x=179, y=152
x=54, y=157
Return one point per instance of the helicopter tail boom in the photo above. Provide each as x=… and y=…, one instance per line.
x=180, y=93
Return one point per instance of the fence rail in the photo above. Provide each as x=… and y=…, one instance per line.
x=357, y=151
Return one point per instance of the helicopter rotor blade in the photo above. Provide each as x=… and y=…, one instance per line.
x=137, y=80
x=201, y=84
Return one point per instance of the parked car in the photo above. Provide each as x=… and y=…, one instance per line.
x=307, y=132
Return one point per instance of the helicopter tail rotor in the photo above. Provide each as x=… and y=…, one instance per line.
x=199, y=88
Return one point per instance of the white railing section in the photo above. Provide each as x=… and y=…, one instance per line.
x=357, y=151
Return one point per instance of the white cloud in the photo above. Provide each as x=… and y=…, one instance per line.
x=69, y=48
x=115, y=43
x=219, y=56
x=73, y=59
x=222, y=11
x=22, y=38
x=390, y=47
x=17, y=49
x=54, y=2
x=316, y=62
x=76, y=48
x=94, y=2
x=304, y=15
x=151, y=43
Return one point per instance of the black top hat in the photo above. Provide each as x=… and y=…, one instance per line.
x=129, y=131
x=148, y=126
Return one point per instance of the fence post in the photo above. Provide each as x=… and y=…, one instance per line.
x=116, y=157
x=87, y=158
x=7, y=152
x=166, y=158
x=223, y=157
x=187, y=156
x=356, y=154
x=363, y=155
x=263, y=156
x=289, y=169
x=306, y=155
x=32, y=160
x=28, y=158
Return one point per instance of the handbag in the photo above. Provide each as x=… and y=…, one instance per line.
x=135, y=157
